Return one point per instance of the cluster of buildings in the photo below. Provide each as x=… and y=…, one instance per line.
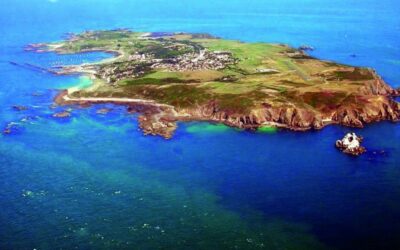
x=118, y=71
x=202, y=60
x=140, y=63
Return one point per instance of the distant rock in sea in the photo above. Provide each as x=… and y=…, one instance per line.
x=351, y=144
x=62, y=114
x=19, y=107
x=10, y=128
x=306, y=47
x=103, y=111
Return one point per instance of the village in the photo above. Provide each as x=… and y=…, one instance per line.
x=139, y=64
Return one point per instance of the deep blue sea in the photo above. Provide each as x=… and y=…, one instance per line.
x=95, y=182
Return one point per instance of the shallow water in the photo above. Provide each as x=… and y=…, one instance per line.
x=95, y=182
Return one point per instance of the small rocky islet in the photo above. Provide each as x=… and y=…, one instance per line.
x=19, y=107
x=62, y=114
x=15, y=126
x=170, y=77
x=351, y=144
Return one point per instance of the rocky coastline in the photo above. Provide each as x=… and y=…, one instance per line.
x=159, y=119
x=176, y=77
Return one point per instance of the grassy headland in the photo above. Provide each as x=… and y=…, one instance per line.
x=247, y=85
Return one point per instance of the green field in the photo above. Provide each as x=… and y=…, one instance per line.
x=259, y=75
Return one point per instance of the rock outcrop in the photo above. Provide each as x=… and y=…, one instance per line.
x=19, y=107
x=306, y=47
x=376, y=86
x=103, y=111
x=171, y=77
x=351, y=144
x=10, y=128
x=62, y=114
x=161, y=120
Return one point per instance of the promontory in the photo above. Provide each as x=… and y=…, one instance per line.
x=171, y=77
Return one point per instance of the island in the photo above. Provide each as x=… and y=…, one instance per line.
x=351, y=144
x=171, y=77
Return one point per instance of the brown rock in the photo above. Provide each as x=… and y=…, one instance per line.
x=9, y=128
x=372, y=102
x=19, y=107
x=7, y=131
x=63, y=114
x=103, y=111
x=351, y=144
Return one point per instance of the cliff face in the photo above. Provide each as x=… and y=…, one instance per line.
x=186, y=78
x=377, y=86
x=290, y=118
x=380, y=108
x=376, y=104
x=373, y=103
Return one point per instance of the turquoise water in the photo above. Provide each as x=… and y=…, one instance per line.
x=95, y=182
